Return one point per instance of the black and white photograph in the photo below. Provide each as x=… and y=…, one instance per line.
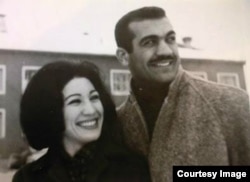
x=124, y=90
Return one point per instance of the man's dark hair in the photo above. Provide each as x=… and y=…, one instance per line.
x=123, y=34
x=41, y=111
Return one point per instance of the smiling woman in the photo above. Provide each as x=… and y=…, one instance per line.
x=67, y=109
x=83, y=114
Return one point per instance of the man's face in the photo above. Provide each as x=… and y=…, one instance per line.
x=155, y=56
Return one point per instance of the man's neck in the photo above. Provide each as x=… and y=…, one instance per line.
x=150, y=91
x=150, y=100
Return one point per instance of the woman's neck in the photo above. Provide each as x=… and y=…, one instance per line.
x=71, y=147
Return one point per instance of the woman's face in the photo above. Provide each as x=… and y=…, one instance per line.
x=83, y=112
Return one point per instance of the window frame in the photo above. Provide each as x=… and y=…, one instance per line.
x=24, y=70
x=3, y=90
x=235, y=75
x=113, y=91
x=3, y=124
x=3, y=28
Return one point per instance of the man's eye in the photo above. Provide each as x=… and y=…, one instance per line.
x=170, y=39
x=148, y=43
x=74, y=102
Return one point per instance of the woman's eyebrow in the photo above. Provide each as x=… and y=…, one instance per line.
x=72, y=95
x=92, y=91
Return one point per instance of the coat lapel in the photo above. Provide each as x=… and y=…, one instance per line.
x=134, y=126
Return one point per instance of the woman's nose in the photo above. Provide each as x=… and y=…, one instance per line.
x=88, y=108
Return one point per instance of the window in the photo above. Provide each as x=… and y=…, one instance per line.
x=199, y=74
x=2, y=79
x=231, y=79
x=2, y=23
x=27, y=73
x=2, y=123
x=119, y=82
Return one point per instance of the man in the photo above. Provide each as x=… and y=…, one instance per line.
x=171, y=117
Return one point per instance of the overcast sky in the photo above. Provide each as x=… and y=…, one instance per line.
x=81, y=26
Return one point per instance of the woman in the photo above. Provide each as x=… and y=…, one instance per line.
x=67, y=109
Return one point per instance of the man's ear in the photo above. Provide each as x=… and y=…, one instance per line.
x=122, y=56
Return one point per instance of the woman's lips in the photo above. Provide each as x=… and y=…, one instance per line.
x=88, y=124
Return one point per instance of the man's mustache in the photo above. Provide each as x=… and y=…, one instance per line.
x=162, y=57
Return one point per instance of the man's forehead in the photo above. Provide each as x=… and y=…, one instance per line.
x=151, y=26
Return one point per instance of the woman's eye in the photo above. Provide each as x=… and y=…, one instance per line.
x=94, y=97
x=75, y=102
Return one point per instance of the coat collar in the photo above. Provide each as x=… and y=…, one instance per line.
x=130, y=110
x=54, y=168
x=132, y=99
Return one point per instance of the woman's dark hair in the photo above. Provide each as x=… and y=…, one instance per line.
x=41, y=114
x=123, y=34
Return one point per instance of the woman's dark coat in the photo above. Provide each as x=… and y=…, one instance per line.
x=112, y=167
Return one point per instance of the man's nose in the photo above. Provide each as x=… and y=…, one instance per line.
x=88, y=108
x=164, y=49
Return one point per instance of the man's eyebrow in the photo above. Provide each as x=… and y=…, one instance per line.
x=72, y=95
x=148, y=37
x=171, y=33
x=155, y=36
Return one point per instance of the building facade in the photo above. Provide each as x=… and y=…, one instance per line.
x=17, y=68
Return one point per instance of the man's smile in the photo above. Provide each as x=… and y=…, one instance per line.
x=161, y=63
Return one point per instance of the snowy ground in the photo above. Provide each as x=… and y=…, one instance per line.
x=7, y=176
x=5, y=173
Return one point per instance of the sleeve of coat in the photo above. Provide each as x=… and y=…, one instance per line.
x=235, y=115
